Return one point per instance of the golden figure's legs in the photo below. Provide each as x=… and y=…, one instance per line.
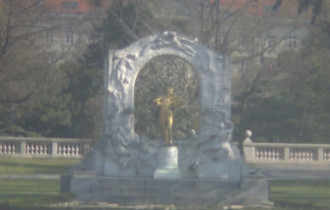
x=167, y=124
x=166, y=115
x=170, y=129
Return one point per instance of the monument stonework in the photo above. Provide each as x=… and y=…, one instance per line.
x=121, y=154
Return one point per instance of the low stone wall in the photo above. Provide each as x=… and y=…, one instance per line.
x=281, y=152
x=187, y=193
x=78, y=148
x=44, y=147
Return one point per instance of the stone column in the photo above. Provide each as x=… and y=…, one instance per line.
x=286, y=153
x=320, y=154
x=54, y=148
x=248, y=147
x=23, y=147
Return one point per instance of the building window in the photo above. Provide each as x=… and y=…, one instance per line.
x=243, y=65
x=69, y=36
x=95, y=38
x=270, y=42
x=292, y=41
x=69, y=5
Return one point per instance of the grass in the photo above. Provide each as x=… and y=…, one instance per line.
x=287, y=194
x=36, y=165
x=24, y=193
x=30, y=194
x=301, y=194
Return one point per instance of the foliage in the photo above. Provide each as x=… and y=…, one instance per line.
x=125, y=23
x=19, y=74
x=83, y=84
x=37, y=99
x=297, y=109
x=303, y=5
x=29, y=100
x=152, y=81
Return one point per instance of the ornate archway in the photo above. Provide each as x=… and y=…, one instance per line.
x=122, y=152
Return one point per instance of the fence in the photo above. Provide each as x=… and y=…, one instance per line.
x=267, y=152
x=44, y=147
x=77, y=148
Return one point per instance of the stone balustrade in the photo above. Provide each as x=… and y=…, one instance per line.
x=44, y=147
x=267, y=152
x=77, y=148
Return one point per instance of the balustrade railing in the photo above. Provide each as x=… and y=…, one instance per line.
x=75, y=148
x=326, y=155
x=50, y=147
x=266, y=152
x=303, y=154
x=8, y=147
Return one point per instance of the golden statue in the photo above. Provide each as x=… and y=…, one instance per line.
x=166, y=115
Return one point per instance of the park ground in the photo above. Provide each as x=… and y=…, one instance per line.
x=35, y=184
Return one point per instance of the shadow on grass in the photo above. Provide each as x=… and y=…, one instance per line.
x=38, y=168
x=301, y=194
x=35, y=201
x=35, y=166
x=295, y=205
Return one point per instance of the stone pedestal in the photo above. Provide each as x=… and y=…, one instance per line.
x=167, y=164
x=187, y=193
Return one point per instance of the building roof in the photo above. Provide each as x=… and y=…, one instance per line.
x=75, y=6
x=263, y=8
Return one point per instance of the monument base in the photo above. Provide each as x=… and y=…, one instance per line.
x=167, y=173
x=88, y=187
x=167, y=162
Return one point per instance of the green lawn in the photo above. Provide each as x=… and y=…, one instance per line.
x=305, y=194
x=286, y=194
x=24, y=193
x=36, y=165
x=297, y=194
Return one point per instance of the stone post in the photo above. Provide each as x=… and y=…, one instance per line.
x=23, y=147
x=86, y=148
x=167, y=163
x=54, y=148
x=248, y=147
x=286, y=153
x=320, y=154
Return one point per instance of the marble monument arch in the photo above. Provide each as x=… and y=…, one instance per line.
x=123, y=153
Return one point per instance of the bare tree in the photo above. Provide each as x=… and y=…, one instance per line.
x=241, y=30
